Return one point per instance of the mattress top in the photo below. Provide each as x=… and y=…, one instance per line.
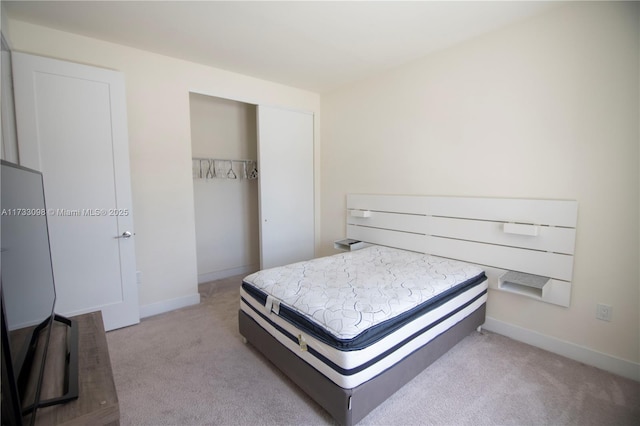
x=351, y=292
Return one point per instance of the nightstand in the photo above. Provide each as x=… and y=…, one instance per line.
x=349, y=244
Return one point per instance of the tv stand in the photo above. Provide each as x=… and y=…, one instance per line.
x=70, y=371
x=97, y=402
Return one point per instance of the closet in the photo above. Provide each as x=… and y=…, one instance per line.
x=253, y=186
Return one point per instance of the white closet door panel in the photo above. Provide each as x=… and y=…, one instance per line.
x=72, y=126
x=285, y=158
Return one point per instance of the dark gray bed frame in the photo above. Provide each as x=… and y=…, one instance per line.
x=349, y=406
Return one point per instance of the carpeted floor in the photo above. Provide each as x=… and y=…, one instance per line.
x=189, y=367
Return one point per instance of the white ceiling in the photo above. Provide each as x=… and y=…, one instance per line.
x=317, y=46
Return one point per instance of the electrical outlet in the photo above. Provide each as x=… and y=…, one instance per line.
x=604, y=312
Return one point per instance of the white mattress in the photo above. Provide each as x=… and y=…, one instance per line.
x=353, y=315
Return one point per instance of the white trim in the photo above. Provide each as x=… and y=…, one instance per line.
x=570, y=350
x=226, y=273
x=168, y=305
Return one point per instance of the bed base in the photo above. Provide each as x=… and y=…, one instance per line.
x=349, y=406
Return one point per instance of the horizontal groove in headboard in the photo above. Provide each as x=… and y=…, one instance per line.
x=539, y=212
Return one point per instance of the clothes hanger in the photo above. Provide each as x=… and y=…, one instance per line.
x=211, y=169
x=231, y=174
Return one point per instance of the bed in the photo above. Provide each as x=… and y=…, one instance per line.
x=352, y=328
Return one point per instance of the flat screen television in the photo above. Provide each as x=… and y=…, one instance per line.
x=28, y=296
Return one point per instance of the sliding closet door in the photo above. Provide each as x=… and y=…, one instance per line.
x=285, y=158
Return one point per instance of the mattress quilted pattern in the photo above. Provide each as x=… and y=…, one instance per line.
x=351, y=292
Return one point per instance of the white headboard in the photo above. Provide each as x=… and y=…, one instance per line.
x=500, y=234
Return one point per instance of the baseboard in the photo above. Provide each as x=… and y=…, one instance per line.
x=226, y=273
x=168, y=305
x=570, y=350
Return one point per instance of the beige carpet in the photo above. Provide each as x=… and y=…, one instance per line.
x=189, y=367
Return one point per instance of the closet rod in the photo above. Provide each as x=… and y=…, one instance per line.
x=211, y=170
x=223, y=159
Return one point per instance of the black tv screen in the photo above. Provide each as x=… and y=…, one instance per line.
x=28, y=288
x=28, y=292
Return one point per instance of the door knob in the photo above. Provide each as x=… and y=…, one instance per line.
x=125, y=234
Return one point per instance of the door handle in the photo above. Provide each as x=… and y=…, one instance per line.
x=125, y=235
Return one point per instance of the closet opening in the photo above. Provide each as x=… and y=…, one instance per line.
x=224, y=144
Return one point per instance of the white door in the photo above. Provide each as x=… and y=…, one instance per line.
x=72, y=126
x=285, y=159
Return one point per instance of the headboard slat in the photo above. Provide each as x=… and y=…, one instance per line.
x=396, y=221
x=386, y=237
x=412, y=204
x=538, y=212
x=553, y=239
x=552, y=265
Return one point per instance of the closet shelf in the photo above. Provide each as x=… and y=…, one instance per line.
x=224, y=168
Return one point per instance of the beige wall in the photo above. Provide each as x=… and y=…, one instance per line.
x=547, y=108
x=226, y=210
x=160, y=144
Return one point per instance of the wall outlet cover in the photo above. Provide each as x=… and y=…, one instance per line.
x=604, y=312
